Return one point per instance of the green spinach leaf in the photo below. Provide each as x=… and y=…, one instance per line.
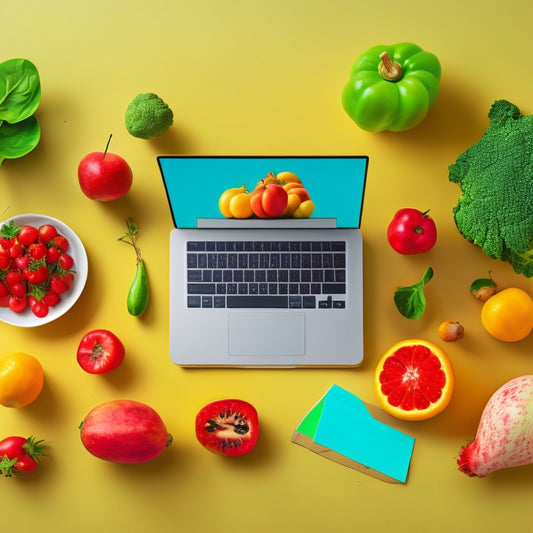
x=410, y=301
x=20, y=90
x=20, y=95
x=18, y=139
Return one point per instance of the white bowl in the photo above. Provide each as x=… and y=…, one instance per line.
x=26, y=318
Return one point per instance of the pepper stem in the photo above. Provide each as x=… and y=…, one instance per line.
x=389, y=70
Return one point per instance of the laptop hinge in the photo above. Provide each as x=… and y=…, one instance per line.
x=251, y=223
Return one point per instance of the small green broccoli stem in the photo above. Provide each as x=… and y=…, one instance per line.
x=107, y=145
x=389, y=70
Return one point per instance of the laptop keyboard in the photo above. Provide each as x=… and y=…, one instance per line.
x=266, y=274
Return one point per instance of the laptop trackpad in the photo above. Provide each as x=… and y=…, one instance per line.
x=266, y=333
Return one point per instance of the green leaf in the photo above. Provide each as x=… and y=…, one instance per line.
x=410, y=301
x=481, y=283
x=20, y=90
x=19, y=139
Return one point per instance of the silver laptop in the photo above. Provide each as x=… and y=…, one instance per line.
x=284, y=292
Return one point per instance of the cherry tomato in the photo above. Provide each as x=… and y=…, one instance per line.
x=21, y=379
x=18, y=454
x=37, y=274
x=51, y=298
x=17, y=304
x=5, y=259
x=269, y=201
x=38, y=307
x=28, y=235
x=100, y=351
x=412, y=232
x=47, y=232
x=61, y=242
x=37, y=251
x=65, y=261
x=16, y=250
x=52, y=255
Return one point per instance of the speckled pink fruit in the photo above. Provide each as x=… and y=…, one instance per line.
x=124, y=431
x=505, y=433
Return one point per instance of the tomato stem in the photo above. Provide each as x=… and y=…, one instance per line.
x=389, y=70
x=107, y=145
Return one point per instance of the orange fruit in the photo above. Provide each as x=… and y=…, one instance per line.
x=240, y=207
x=288, y=177
x=414, y=380
x=21, y=379
x=508, y=315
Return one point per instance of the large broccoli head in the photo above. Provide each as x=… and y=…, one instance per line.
x=148, y=116
x=495, y=210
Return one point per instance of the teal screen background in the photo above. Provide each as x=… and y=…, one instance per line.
x=194, y=184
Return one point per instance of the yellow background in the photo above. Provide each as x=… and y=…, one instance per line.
x=254, y=77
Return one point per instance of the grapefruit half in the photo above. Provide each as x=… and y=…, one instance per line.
x=414, y=380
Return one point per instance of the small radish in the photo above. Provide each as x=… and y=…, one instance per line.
x=505, y=433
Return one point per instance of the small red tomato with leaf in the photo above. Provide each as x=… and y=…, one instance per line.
x=228, y=427
x=412, y=232
x=18, y=454
x=100, y=351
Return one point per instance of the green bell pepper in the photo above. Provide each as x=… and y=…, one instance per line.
x=392, y=87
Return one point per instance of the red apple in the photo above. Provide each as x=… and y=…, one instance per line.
x=104, y=176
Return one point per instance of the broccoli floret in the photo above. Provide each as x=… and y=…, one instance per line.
x=495, y=210
x=148, y=116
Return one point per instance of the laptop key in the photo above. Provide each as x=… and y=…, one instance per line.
x=309, y=302
x=295, y=302
x=200, y=288
x=257, y=302
x=334, y=288
x=193, y=301
x=219, y=301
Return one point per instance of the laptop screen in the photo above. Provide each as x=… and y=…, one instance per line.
x=336, y=184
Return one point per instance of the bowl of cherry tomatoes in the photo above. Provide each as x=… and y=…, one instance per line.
x=43, y=269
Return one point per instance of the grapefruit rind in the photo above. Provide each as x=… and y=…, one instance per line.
x=435, y=404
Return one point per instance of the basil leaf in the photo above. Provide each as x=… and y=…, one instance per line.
x=18, y=139
x=20, y=90
x=410, y=301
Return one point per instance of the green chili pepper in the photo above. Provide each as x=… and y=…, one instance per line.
x=392, y=87
x=139, y=291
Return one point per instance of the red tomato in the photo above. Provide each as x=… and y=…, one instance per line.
x=60, y=242
x=269, y=201
x=51, y=298
x=100, y=351
x=28, y=235
x=65, y=261
x=52, y=255
x=19, y=454
x=228, y=427
x=412, y=232
x=16, y=250
x=38, y=250
x=17, y=304
x=5, y=259
x=47, y=232
x=38, y=307
x=36, y=274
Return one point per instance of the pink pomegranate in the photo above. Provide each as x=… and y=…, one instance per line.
x=505, y=434
x=124, y=431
